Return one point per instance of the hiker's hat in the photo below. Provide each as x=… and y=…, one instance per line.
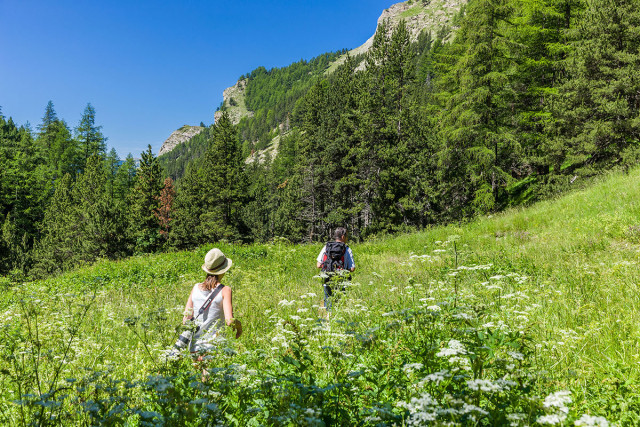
x=215, y=262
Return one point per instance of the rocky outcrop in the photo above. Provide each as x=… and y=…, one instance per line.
x=179, y=136
x=418, y=15
x=233, y=103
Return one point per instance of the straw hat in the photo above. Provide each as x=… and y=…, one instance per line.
x=215, y=262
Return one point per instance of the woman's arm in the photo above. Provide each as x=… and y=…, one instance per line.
x=227, y=306
x=188, y=309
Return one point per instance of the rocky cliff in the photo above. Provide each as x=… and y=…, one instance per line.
x=179, y=136
x=419, y=15
x=234, y=101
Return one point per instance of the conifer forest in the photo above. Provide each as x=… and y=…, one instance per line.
x=517, y=101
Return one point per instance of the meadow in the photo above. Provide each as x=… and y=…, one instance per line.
x=528, y=317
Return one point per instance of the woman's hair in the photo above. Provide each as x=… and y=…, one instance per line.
x=212, y=281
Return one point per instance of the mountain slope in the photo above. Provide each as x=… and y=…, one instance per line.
x=248, y=97
x=435, y=16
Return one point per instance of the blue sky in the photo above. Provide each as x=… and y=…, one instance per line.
x=149, y=67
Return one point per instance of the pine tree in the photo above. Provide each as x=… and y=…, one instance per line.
x=101, y=223
x=382, y=155
x=210, y=198
x=598, y=105
x=538, y=46
x=144, y=227
x=283, y=185
x=189, y=205
x=48, y=129
x=56, y=145
x=223, y=175
x=261, y=200
x=56, y=250
x=82, y=223
x=65, y=153
x=24, y=190
x=479, y=147
x=89, y=136
x=125, y=178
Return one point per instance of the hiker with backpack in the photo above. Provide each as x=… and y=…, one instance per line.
x=335, y=258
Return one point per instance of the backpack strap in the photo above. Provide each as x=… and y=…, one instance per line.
x=209, y=299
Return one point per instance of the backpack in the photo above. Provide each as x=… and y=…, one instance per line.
x=334, y=256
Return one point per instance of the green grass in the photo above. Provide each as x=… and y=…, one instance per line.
x=415, y=10
x=561, y=277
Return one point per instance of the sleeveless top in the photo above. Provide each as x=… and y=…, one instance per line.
x=211, y=321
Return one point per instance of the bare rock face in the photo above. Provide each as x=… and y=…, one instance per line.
x=179, y=136
x=419, y=15
x=234, y=104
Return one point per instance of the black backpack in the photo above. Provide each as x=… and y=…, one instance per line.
x=334, y=256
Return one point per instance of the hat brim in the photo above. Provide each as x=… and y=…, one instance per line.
x=226, y=265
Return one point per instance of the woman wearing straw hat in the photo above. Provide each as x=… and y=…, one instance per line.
x=220, y=310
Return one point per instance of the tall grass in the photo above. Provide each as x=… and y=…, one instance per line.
x=543, y=297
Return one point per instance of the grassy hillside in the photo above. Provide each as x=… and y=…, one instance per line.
x=490, y=322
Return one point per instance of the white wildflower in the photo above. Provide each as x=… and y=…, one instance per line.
x=412, y=367
x=552, y=419
x=467, y=409
x=461, y=362
x=558, y=400
x=592, y=421
x=422, y=410
x=463, y=316
x=484, y=385
x=455, y=348
x=436, y=377
x=516, y=418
